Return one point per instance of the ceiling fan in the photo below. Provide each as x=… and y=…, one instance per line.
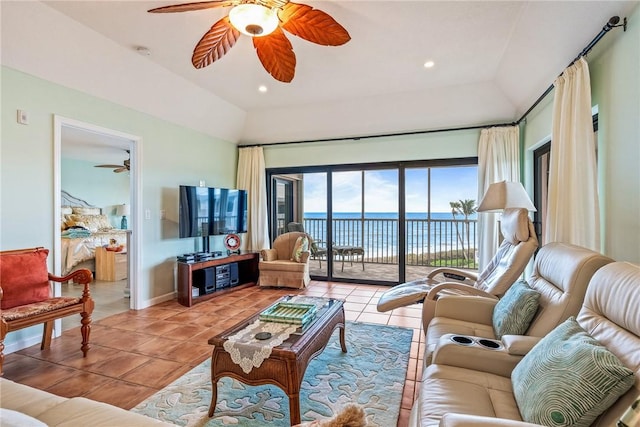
x=264, y=21
x=118, y=168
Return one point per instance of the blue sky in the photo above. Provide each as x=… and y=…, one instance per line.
x=381, y=189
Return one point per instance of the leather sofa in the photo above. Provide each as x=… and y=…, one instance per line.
x=54, y=410
x=561, y=273
x=459, y=390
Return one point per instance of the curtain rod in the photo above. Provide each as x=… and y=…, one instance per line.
x=612, y=23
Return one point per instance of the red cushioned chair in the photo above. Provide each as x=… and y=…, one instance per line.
x=25, y=296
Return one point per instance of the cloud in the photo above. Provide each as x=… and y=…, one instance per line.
x=381, y=189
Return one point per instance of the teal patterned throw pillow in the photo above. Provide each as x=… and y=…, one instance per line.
x=568, y=378
x=515, y=310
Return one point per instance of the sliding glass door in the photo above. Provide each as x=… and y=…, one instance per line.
x=365, y=224
x=440, y=219
x=380, y=223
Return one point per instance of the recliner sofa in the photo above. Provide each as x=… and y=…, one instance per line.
x=561, y=273
x=457, y=391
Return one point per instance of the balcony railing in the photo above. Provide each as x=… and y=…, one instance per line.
x=429, y=242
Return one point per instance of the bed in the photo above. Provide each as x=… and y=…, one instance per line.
x=84, y=228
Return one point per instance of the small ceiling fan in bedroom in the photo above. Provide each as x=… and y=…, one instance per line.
x=263, y=21
x=124, y=167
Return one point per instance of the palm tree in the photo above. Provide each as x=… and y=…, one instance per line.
x=467, y=208
x=456, y=209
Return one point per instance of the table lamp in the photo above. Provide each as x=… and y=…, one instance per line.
x=505, y=195
x=123, y=211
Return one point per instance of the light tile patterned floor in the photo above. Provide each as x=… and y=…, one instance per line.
x=136, y=353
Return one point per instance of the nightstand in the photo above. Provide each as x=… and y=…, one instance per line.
x=111, y=266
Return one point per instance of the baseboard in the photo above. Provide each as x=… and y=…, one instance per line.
x=157, y=300
x=22, y=343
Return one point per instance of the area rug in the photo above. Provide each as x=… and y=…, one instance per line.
x=372, y=374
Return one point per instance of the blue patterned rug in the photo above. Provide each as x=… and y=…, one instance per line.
x=372, y=374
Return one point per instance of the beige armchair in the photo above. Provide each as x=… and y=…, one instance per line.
x=278, y=267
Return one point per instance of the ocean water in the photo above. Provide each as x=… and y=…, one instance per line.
x=377, y=233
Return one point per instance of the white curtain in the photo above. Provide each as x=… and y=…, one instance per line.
x=498, y=160
x=572, y=214
x=251, y=177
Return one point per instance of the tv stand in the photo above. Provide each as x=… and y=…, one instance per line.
x=247, y=264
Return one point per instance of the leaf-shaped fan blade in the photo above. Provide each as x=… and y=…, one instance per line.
x=215, y=43
x=121, y=170
x=187, y=7
x=276, y=54
x=312, y=25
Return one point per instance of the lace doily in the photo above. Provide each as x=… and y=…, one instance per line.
x=249, y=352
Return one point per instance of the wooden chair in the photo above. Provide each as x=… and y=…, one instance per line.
x=25, y=296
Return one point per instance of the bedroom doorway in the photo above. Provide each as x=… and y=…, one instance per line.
x=82, y=146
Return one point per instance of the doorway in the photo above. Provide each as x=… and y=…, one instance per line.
x=95, y=145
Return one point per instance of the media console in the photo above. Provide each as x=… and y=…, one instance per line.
x=214, y=277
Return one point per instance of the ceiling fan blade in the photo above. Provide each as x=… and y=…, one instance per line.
x=108, y=166
x=187, y=7
x=312, y=25
x=276, y=54
x=215, y=43
x=121, y=169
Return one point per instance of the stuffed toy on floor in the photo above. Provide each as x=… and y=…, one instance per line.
x=350, y=416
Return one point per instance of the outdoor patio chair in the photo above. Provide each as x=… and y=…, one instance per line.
x=518, y=246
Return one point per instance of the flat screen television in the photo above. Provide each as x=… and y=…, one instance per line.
x=205, y=211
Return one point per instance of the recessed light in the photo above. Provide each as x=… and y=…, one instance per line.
x=262, y=88
x=429, y=64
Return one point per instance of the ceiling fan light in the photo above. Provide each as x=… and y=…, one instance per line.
x=253, y=19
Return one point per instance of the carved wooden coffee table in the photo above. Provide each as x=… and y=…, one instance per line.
x=287, y=363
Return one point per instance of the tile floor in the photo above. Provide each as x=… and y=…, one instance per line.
x=136, y=353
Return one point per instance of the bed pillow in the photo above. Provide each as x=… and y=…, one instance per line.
x=66, y=210
x=92, y=223
x=568, y=378
x=83, y=210
x=301, y=245
x=513, y=313
x=25, y=278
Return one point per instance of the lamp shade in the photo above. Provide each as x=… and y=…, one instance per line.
x=504, y=195
x=122, y=210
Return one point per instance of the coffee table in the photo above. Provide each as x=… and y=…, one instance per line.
x=287, y=363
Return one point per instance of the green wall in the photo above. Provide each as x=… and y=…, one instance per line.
x=438, y=145
x=172, y=155
x=614, y=67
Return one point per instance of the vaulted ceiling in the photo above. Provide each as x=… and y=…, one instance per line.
x=492, y=59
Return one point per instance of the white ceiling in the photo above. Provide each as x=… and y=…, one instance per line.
x=492, y=61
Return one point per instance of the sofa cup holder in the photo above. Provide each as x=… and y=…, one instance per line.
x=462, y=340
x=482, y=342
